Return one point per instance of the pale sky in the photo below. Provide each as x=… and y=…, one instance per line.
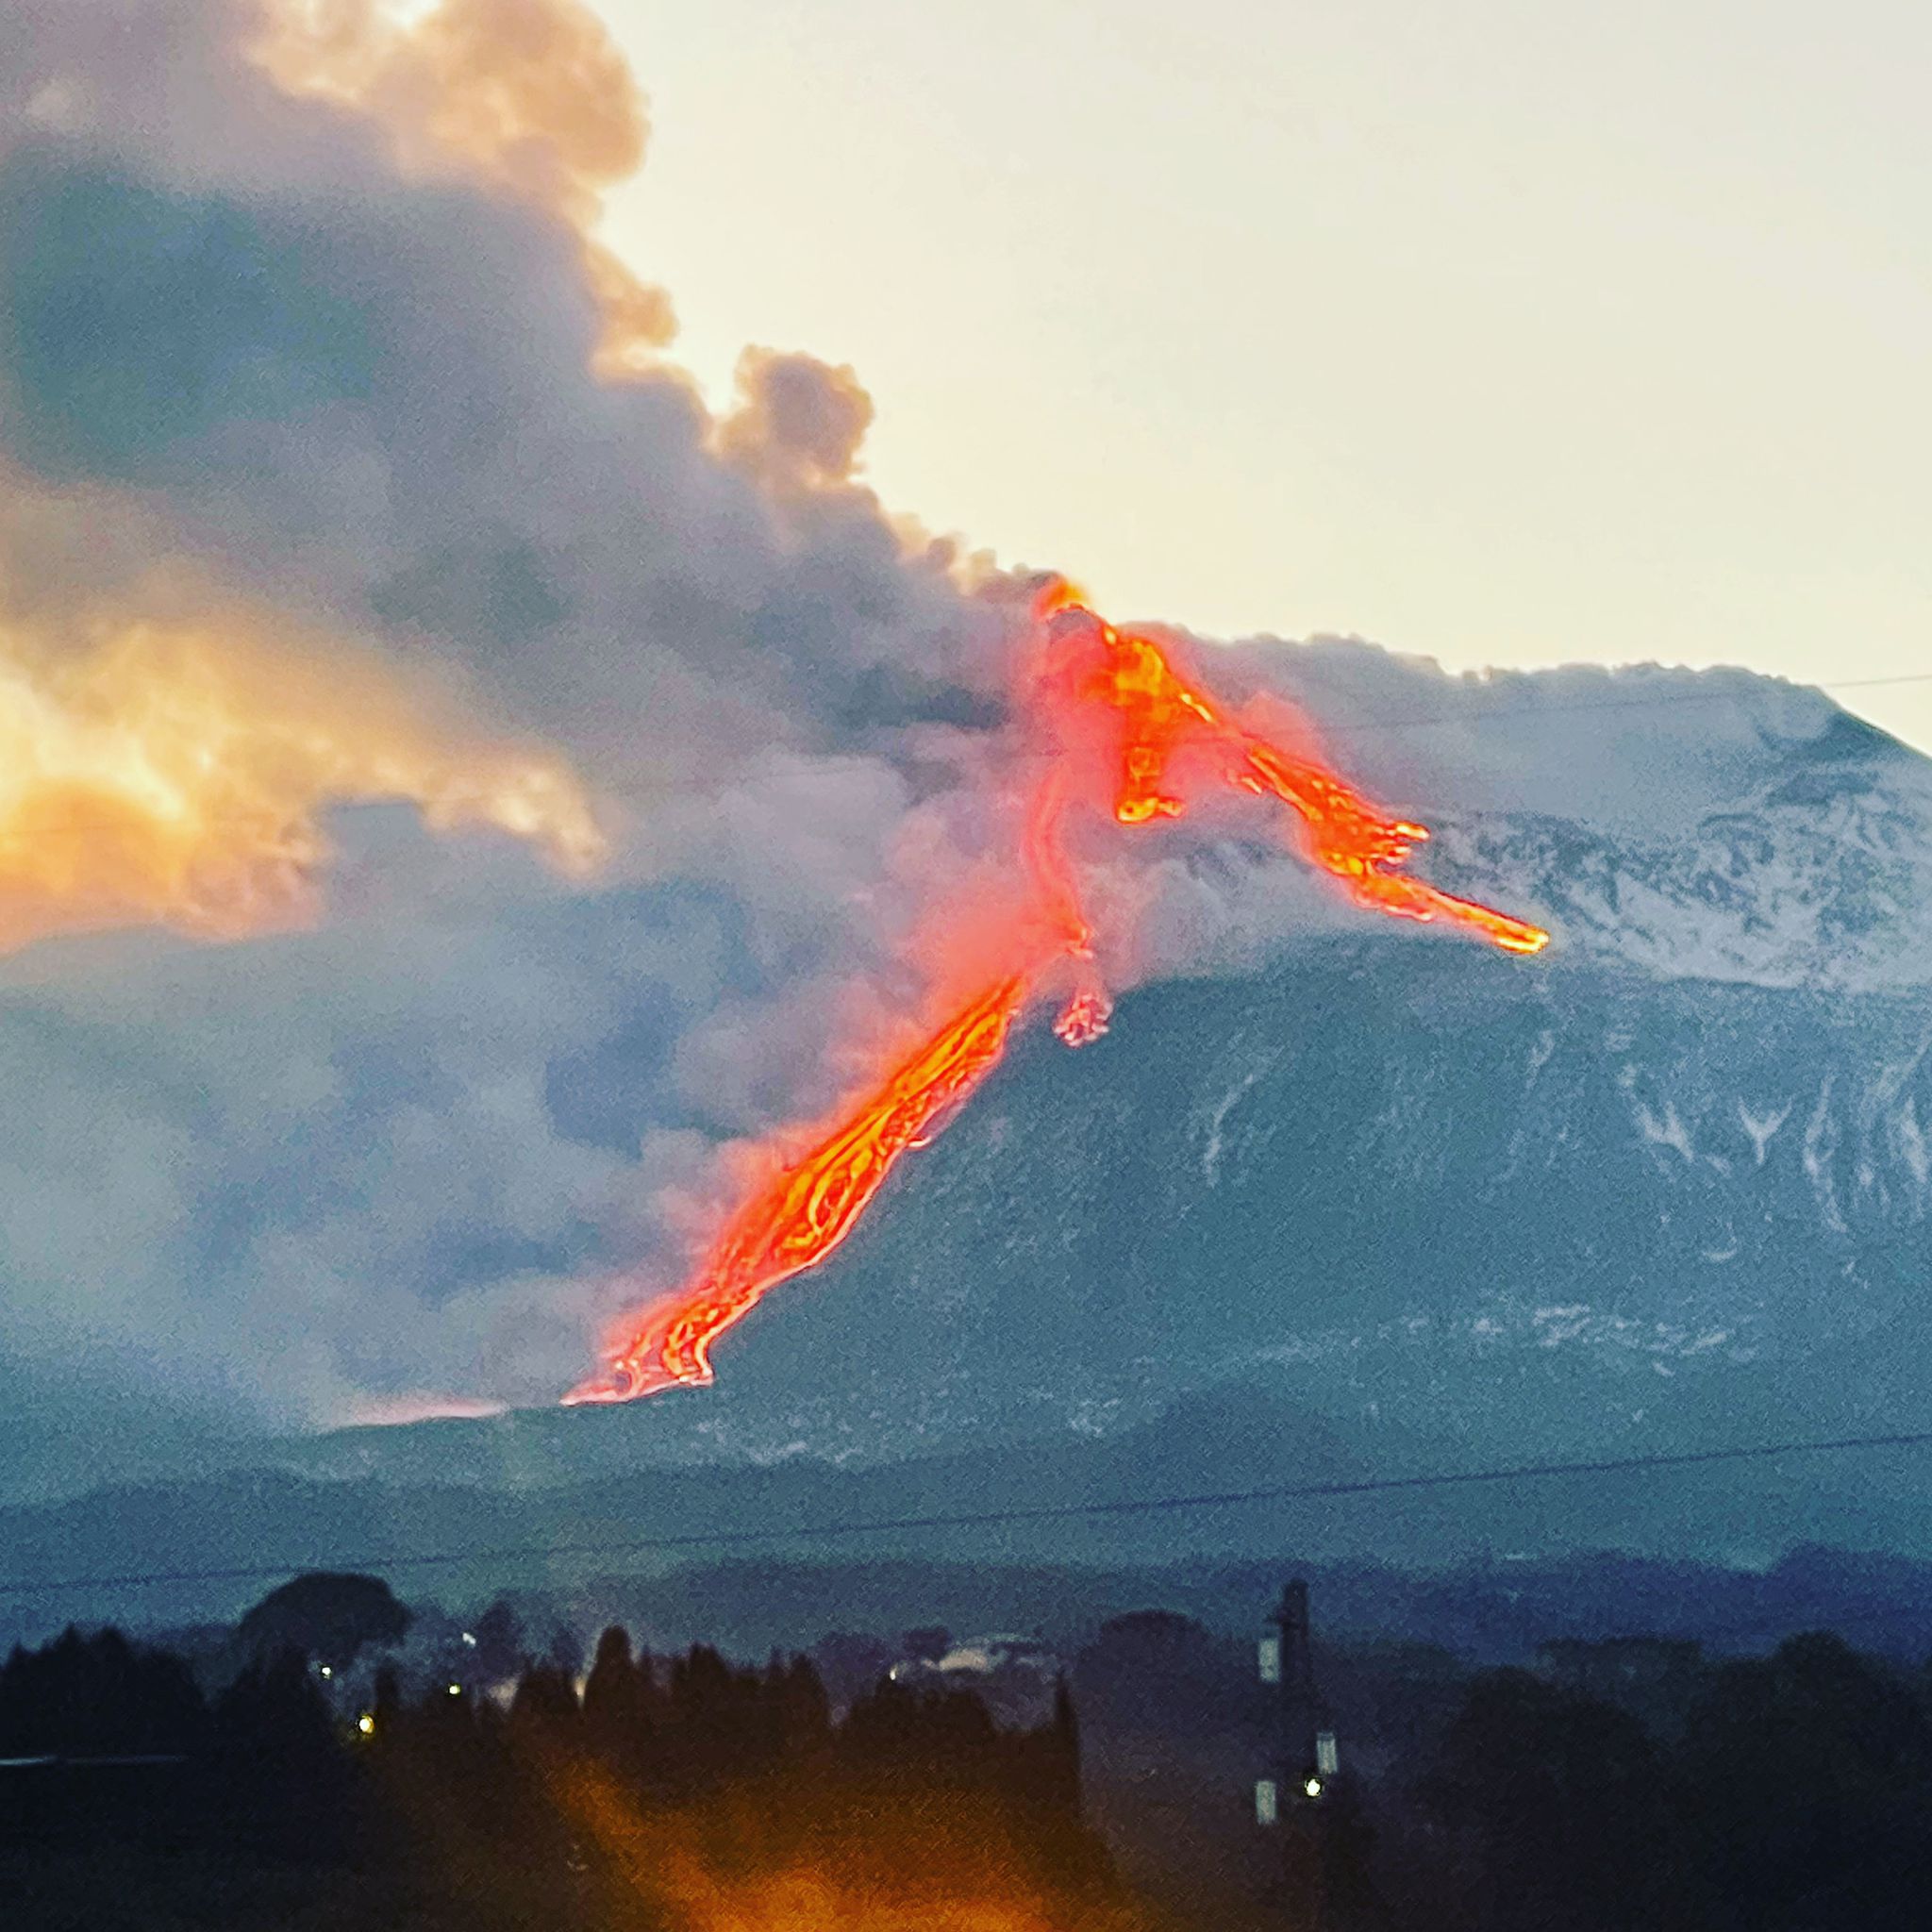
x=1508, y=333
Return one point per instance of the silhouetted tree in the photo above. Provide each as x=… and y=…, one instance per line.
x=618, y=1722
x=1157, y=1670
x=1808, y=1782
x=97, y=1696
x=804, y=1711
x=1557, y=1805
x=850, y=1663
x=940, y=1737
x=454, y=1814
x=565, y=1652
x=279, y=1764
x=325, y=1617
x=546, y=1705
x=499, y=1636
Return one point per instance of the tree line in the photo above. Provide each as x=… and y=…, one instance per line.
x=645, y=1793
x=1791, y=1793
x=1784, y=1793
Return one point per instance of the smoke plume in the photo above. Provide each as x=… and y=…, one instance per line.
x=567, y=773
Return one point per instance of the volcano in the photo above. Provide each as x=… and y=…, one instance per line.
x=1669, y=1190
x=1384, y=1202
x=1156, y=736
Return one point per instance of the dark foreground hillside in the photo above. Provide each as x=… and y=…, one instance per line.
x=682, y=1793
x=338, y=1762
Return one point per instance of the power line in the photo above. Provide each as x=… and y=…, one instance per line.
x=979, y=1519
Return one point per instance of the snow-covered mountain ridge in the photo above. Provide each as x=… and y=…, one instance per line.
x=1820, y=877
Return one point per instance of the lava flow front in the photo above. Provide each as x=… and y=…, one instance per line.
x=1135, y=741
x=811, y=1205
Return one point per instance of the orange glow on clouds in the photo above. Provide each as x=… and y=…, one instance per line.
x=176, y=775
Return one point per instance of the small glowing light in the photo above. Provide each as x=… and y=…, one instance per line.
x=456, y=1690
x=366, y=1725
x=470, y=1639
x=1312, y=1786
x=327, y=1670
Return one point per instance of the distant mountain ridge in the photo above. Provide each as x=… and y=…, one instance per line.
x=193, y=1552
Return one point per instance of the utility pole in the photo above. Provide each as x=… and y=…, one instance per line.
x=1296, y=1800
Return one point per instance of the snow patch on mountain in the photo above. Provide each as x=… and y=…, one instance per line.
x=1820, y=877
x=1759, y=1128
x=1210, y=1154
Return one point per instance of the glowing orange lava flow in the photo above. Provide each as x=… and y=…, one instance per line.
x=810, y=1207
x=1137, y=740
x=1169, y=737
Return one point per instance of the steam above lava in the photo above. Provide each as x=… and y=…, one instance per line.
x=1132, y=737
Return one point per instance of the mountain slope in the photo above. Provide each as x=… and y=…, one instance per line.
x=1392, y=1203
x=1638, y=1193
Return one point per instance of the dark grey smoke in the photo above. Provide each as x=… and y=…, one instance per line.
x=251, y=339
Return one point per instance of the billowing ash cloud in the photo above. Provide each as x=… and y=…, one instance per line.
x=351, y=362
x=561, y=764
